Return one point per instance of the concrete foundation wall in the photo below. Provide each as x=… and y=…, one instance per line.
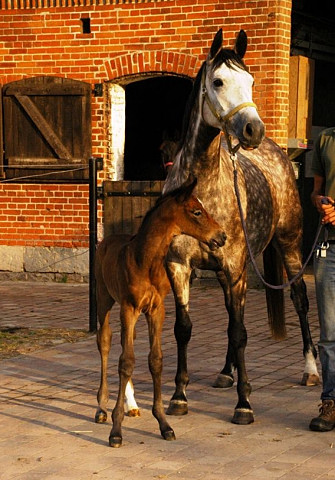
x=42, y=263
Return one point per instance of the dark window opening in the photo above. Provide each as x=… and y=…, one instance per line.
x=324, y=92
x=154, y=112
x=86, y=25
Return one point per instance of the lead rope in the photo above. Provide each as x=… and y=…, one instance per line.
x=252, y=258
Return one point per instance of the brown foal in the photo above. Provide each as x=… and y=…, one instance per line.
x=130, y=270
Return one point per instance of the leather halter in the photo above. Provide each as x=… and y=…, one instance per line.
x=217, y=111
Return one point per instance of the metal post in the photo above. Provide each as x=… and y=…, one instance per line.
x=95, y=164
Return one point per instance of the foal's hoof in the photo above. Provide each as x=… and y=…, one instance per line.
x=310, y=380
x=115, y=442
x=177, y=407
x=100, y=416
x=134, y=412
x=223, y=381
x=168, y=435
x=243, y=416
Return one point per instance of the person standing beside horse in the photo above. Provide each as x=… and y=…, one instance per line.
x=323, y=195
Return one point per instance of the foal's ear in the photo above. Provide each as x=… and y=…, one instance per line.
x=216, y=45
x=241, y=43
x=186, y=189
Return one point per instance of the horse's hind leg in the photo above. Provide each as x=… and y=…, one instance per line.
x=155, y=324
x=300, y=302
x=293, y=264
x=179, y=276
x=225, y=378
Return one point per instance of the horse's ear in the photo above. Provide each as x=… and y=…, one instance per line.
x=241, y=43
x=216, y=45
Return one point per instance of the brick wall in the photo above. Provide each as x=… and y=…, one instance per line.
x=127, y=38
x=44, y=215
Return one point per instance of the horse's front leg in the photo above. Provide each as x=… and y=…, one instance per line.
x=126, y=366
x=155, y=359
x=237, y=338
x=179, y=276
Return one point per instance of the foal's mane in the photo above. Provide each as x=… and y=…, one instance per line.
x=225, y=55
x=160, y=201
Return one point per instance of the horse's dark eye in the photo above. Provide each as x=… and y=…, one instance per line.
x=197, y=213
x=217, y=83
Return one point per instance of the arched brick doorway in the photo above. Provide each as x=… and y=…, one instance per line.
x=143, y=111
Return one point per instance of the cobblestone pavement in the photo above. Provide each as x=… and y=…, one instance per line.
x=48, y=398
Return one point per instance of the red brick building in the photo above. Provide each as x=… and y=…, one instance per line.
x=103, y=70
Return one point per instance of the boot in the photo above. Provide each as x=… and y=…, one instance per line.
x=326, y=420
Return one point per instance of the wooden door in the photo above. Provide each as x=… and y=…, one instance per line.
x=47, y=129
x=126, y=203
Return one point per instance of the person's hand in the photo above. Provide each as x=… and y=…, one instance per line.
x=317, y=201
x=327, y=210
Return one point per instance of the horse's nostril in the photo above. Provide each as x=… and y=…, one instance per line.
x=248, y=130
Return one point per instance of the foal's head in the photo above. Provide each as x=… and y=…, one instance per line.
x=190, y=216
x=228, y=98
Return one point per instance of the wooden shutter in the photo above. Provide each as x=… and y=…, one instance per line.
x=47, y=129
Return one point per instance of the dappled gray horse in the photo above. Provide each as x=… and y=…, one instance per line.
x=223, y=137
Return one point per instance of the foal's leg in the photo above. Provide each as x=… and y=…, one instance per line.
x=155, y=325
x=130, y=405
x=126, y=366
x=235, y=296
x=179, y=276
x=104, y=340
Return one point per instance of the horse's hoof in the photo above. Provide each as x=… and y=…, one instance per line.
x=168, y=435
x=100, y=417
x=243, y=416
x=177, y=407
x=223, y=381
x=134, y=412
x=115, y=442
x=310, y=380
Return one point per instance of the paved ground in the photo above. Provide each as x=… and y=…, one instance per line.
x=48, y=399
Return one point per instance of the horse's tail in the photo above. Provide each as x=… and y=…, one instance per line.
x=273, y=274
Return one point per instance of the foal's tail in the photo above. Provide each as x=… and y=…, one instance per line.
x=273, y=274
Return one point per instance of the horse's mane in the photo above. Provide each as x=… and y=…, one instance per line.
x=189, y=105
x=225, y=55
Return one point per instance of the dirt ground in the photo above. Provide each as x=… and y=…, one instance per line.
x=15, y=341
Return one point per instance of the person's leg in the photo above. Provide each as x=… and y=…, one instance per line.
x=324, y=273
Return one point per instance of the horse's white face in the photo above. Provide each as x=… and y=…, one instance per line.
x=229, y=87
